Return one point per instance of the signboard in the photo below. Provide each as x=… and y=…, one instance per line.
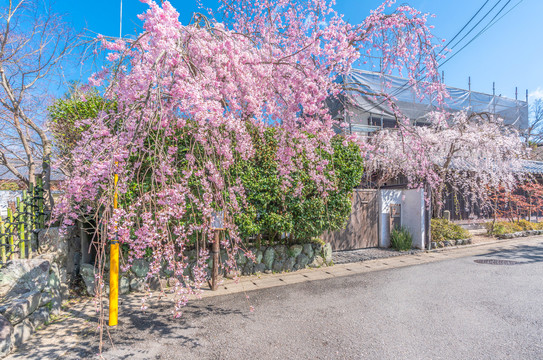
x=217, y=220
x=395, y=210
x=395, y=216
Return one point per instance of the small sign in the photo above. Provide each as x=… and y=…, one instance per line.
x=217, y=220
x=395, y=210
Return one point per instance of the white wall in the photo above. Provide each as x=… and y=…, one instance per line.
x=412, y=214
x=386, y=198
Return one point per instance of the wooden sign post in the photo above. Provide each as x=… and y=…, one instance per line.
x=217, y=224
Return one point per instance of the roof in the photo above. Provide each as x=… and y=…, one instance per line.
x=514, y=112
x=5, y=174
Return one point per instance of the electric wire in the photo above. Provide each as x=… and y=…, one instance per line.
x=463, y=27
x=478, y=22
x=492, y=22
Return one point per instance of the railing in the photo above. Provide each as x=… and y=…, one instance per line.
x=18, y=228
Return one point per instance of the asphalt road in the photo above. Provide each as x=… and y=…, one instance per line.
x=453, y=309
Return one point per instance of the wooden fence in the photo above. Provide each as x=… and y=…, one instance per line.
x=23, y=217
x=362, y=229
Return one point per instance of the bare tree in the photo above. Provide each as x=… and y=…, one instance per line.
x=33, y=42
x=534, y=132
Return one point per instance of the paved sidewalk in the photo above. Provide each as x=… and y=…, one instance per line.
x=77, y=328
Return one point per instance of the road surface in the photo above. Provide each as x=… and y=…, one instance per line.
x=450, y=309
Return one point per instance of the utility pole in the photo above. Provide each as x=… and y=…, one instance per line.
x=121, y=22
x=469, y=89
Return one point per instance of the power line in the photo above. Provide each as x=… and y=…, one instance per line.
x=406, y=86
x=478, y=22
x=463, y=27
x=491, y=23
x=488, y=26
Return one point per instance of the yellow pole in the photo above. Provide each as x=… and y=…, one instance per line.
x=114, y=270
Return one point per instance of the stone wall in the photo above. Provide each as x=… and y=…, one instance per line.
x=521, y=234
x=30, y=292
x=278, y=258
x=447, y=243
x=63, y=249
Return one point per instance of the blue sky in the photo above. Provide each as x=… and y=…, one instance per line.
x=509, y=53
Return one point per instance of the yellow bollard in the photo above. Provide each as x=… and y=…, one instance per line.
x=114, y=270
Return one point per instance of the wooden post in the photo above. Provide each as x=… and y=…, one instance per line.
x=114, y=268
x=28, y=221
x=217, y=224
x=216, y=252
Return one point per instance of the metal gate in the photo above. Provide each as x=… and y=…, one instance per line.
x=362, y=227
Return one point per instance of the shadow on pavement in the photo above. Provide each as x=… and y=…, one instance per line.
x=75, y=334
x=522, y=253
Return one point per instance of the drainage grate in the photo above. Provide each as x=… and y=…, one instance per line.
x=497, y=262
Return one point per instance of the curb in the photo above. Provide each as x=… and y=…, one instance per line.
x=264, y=281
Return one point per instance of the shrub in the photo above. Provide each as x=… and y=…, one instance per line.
x=65, y=114
x=401, y=239
x=9, y=185
x=268, y=209
x=443, y=229
x=508, y=227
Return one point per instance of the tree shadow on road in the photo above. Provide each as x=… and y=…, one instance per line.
x=76, y=335
x=525, y=254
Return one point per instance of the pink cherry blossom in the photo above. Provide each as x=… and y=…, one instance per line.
x=264, y=63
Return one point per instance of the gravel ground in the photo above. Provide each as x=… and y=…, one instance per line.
x=351, y=256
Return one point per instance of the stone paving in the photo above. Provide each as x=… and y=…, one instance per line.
x=353, y=256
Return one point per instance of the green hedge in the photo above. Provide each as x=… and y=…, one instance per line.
x=272, y=210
